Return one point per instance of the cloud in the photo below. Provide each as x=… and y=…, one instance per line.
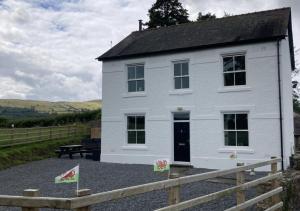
x=47, y=48
x=12, y=89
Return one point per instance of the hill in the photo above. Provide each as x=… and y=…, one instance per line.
x=14, y=107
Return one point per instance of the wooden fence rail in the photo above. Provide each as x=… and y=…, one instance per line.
x=172, y=185
x=17, y=136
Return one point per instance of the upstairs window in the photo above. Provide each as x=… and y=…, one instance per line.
x=181, y=75
x=136, y=129
x=135, y=78
x=236, y=129
x=234, y=70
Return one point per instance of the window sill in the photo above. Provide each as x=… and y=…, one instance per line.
x=135, y=147
x=239, y=150
x=181, y=92
x=234, y=89
x=134, y=94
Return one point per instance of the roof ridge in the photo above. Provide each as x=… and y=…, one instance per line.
x=211, y=20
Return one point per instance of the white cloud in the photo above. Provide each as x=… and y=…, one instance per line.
x=48, y=47
x=12, y=89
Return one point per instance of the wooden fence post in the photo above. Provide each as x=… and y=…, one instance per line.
x=50, y=133
x=30, y=193
x=80, y=193
x=174, y=192
x=240, y=179
x=75, y=127
x=12, y=134
x=275, y=182
x=27, y=134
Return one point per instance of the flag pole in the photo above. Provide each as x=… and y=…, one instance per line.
x=78, y=180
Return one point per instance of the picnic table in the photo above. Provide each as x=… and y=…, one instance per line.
x=70, y=150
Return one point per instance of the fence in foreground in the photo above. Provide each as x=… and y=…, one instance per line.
x=32, y=202
x=17, y=136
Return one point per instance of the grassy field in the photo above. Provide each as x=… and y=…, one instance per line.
x=26, y=153
x=17, y=136
x=51, y=107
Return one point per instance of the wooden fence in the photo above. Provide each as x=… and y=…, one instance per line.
x=32, y=201
x=16, y=136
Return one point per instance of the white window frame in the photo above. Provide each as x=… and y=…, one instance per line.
x=181, y=76
x=135, y=79
x=136, y=130
x=235, y=130
x=234, y=71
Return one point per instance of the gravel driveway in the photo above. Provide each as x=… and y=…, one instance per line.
x=101, y=177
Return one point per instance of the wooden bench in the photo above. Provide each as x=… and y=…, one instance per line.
x=69, y=150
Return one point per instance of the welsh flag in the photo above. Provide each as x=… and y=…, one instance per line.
x=69, y=176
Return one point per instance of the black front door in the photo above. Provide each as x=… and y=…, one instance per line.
x=182, y=141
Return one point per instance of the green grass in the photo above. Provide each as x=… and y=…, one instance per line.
x=22, y=135
x=22, y=154
x=51, y=107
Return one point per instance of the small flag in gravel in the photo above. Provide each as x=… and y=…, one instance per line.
x=162, y=165
x=69, y=176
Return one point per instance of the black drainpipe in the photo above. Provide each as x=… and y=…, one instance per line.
x=280, y=107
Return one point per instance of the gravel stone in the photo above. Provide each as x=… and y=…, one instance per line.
x=100, y=177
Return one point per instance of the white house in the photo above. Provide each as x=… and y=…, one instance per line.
x=201, y=93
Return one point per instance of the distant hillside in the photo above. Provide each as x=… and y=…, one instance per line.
x=11, y=107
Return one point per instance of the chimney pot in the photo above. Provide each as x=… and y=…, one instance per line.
x=140, y=25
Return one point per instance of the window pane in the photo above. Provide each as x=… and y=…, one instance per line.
x=242, y=138
x=185, y=82
x=239, y=63
x=177, y=69
x=177, y=83
x=131, y=122
x=140, y=122
x=228, y=79
x=240, y=78
x=131, y=72
x=181, y=116
x=241, y=122
x=140, y=86
x=229, y=138
x=139, y=72
x=140, y=137
x=131, y=86
x=131, y=137
x=185, y=68
x=227, y=64
x=229, y=122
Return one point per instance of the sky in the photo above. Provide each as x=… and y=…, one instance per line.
x=48, y=47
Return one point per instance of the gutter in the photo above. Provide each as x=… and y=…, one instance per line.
x=280, y=103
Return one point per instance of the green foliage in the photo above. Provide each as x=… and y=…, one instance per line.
x=227, y=14
x=166, y=13
x=53, y=120
x=204, y=17
x=21, y=154
x=15, y=112
x=45, y=107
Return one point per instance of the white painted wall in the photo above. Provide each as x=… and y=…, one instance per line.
x=206, y=99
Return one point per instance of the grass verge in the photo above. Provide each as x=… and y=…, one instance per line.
x=37, y=151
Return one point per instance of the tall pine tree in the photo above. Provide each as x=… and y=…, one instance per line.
x=166, y=13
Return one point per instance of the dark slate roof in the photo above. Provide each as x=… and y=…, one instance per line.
x=245, y=28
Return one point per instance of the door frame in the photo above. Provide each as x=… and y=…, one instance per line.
x=172, y=136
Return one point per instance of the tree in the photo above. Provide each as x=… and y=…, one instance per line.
x=296, y=85
x=204, y=17
x=227, y=14
x=166, y=13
